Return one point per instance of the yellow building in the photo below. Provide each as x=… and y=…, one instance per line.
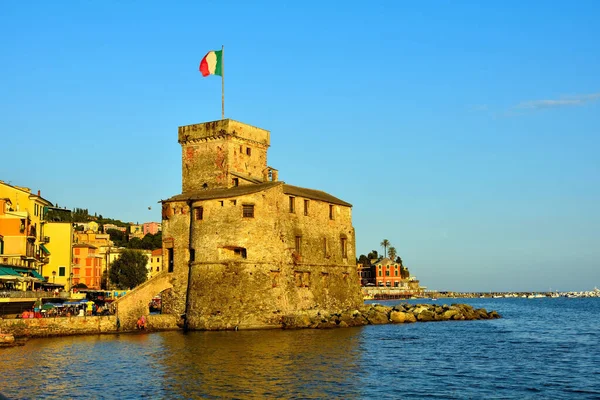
x=136, y=231
x=59, y=268
x=26, y=209
x=155, y=262
x=17, y=249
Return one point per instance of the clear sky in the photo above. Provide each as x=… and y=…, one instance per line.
x=465, y=133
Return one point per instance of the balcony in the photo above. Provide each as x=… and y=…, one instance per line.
x=31, y=232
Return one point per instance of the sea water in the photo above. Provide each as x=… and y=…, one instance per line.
x=541, y=348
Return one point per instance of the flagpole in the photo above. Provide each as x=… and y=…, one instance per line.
x=222, y=82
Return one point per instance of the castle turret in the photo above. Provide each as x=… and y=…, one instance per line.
x=222, y=154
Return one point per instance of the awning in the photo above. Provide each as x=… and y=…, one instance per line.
x=8, y=274
x=45, y=250
x=33, y=272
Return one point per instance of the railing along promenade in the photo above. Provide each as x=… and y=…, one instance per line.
x=32, y=294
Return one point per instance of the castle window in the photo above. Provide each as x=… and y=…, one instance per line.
x=199, y=213
x=302, y=278
x=248, y=151
x=240, y=252
x=331, y=211
x=236, y=182
x=343, y=242
x=248, y=210
x=306, y=202
x=292, y=204
x=298, y=244
x=274, y=278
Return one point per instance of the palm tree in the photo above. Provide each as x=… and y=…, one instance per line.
x=392, y=252
x=385, y=243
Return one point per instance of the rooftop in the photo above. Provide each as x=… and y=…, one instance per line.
x=211, y=194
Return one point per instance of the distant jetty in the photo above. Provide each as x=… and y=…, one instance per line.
x=377, y=314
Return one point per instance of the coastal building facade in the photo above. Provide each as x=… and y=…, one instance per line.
x=244, y=248
x=151, y=227
x=155, y=262
x=21, y=233
x=87, y=265
x=60, y=256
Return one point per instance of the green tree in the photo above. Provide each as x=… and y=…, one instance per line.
x=384, y=243
x=129, y=270
x=392, y=252
x=404, y=273
x=399, y=261
x=364, y=260
x=135, y=243
x=373, y=255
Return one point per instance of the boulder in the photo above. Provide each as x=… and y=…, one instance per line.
x=327, y=325
x=376, y=317
x=6, y=338
x=353, y=318
x=425, y=316
x=448, y=314
x=398, y=317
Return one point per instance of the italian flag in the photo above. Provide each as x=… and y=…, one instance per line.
x=212, y=63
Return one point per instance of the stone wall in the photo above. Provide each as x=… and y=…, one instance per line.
x=63, y=326
x=228, y=290
x=87, y=325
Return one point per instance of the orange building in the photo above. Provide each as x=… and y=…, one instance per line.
x=388, y=273
x=87, y=265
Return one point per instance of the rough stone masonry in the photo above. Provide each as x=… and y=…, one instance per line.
x=245, y=249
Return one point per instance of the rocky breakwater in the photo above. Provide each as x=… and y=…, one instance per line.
x=377, y=314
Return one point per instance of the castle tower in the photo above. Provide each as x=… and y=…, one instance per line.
x=223, y=154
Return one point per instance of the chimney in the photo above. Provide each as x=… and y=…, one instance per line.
x=39, y=194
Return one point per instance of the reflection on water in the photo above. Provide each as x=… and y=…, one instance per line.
x=244, y=364
x=543, y=348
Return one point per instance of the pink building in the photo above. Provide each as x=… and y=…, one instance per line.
x=151, y=227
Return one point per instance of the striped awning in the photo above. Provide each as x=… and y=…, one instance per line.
x=44, y=250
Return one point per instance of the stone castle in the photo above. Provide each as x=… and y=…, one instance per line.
x=244, y=249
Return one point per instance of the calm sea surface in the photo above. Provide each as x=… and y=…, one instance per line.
x=541, y=349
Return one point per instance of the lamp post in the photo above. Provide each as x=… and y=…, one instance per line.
x=71, y=282
x=53, y=276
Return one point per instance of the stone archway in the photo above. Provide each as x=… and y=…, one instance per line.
x=135, y=303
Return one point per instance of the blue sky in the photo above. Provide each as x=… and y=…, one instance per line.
x=467, y=134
